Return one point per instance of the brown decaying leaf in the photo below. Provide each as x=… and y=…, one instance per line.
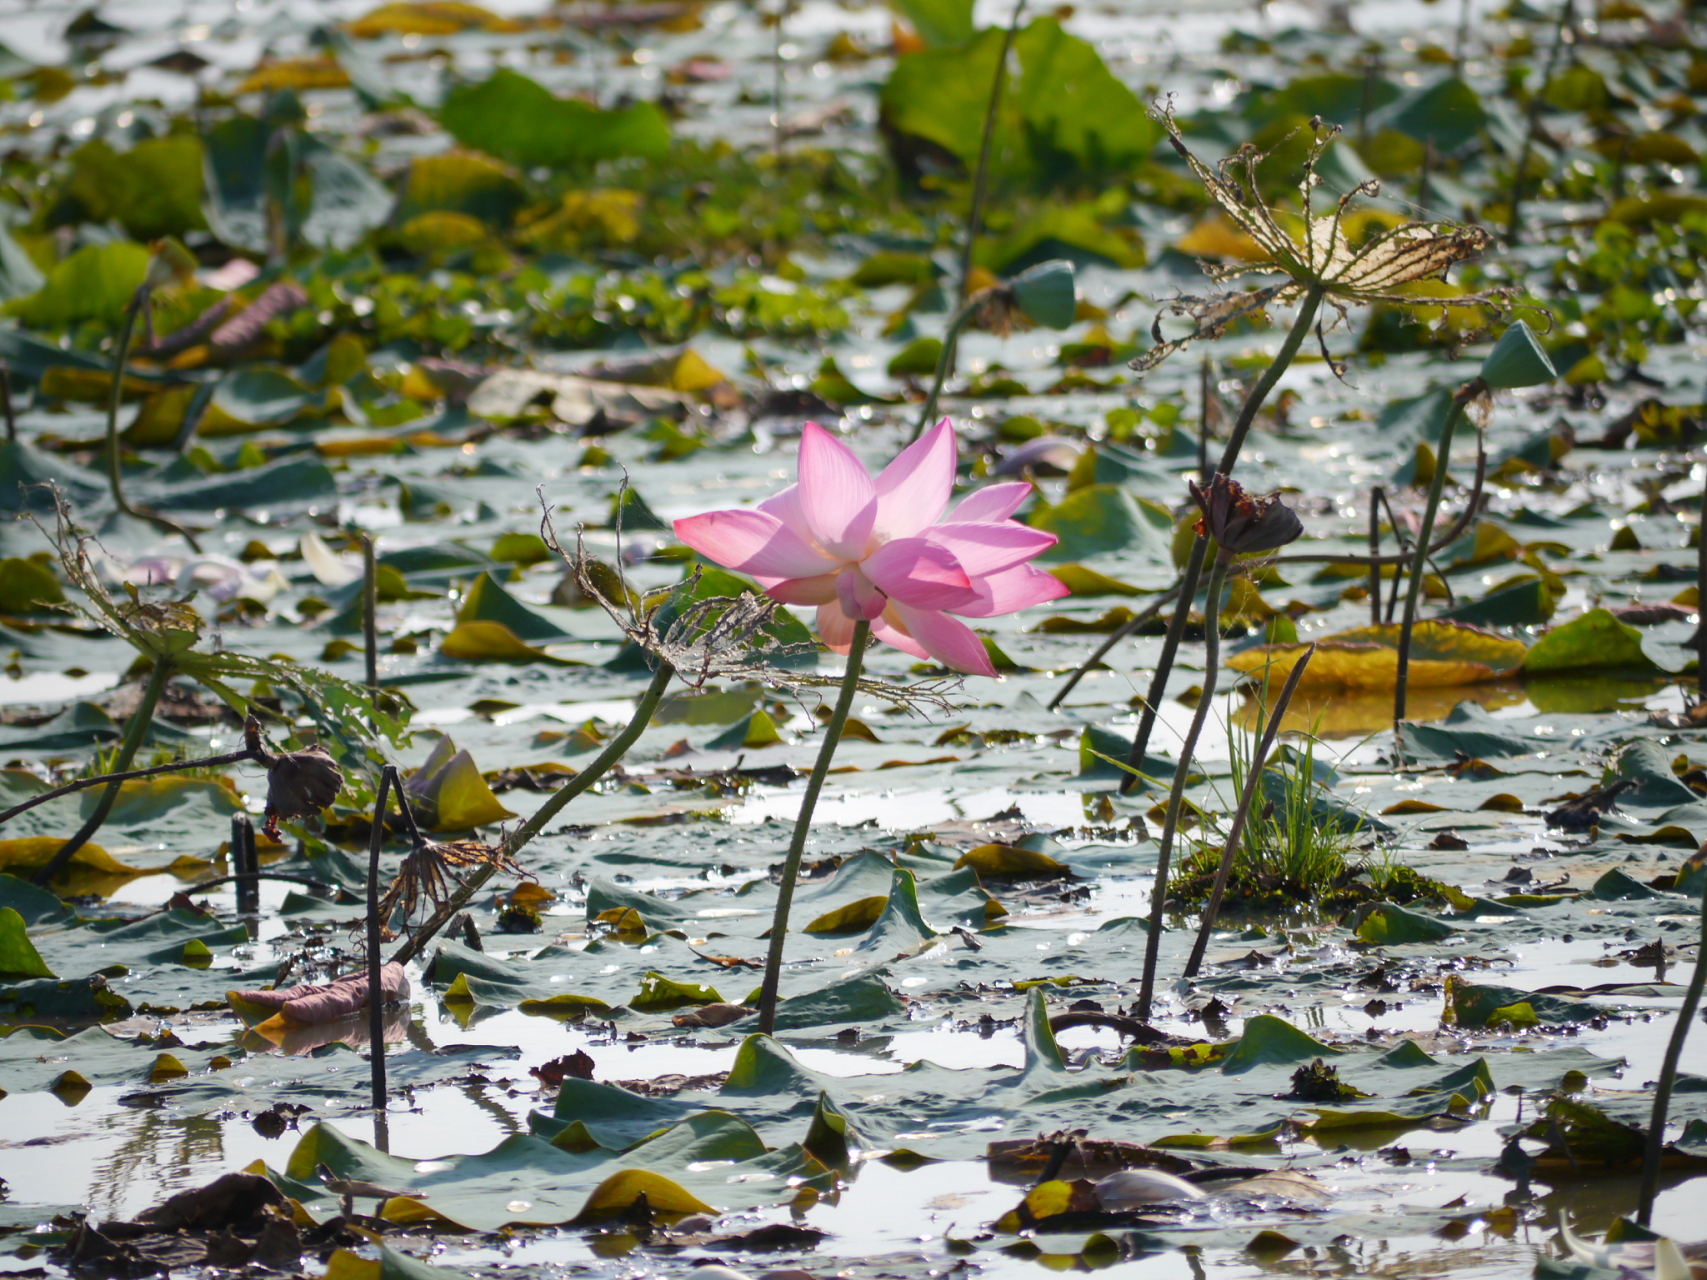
x=1321, y=253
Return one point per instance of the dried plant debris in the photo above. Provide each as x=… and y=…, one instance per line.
x=1313, y=250
x=730, y=638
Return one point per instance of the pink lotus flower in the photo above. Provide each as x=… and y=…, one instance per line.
x=882, y=550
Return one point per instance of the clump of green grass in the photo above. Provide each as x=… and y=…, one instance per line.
x=1303, y=848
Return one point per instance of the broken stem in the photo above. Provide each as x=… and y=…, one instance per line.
x=1126, y=628
x=128, y=775
x=803, y=824
x=1194, y=565
x=1246, y=795
x=614, y=751
x=134, y=732
x=1182, y=771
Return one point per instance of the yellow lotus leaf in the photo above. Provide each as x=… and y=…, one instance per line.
x=1405, y=807
x=428, y=18
x=852, y=917
x=31, y=853
x=1046, y=1200
x=464, y=799
x=1084, y=581
x=87, y=386
x=344, y=1265
x=248, y=1012
x=624, y=922
x=493, y=642
x=409, y=1212
x=166, y=1067
x=621, y=1190
x=1009, y=860
x=296, y=74
x=1443, y=655
x=1215, y=237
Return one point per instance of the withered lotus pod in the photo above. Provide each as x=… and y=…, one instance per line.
x=1242, y=523
x=301, y=784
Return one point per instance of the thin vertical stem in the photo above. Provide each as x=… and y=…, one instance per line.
x=1205, y=388
x=1375, y=550
x=1463, y=37
x=1182, y=771
x=803, y=824
x=1655, y=1147
x=614, y=750
x=1422, y=185
x=1419, y=563
x=127, y=334
x=375, y=962
x=1533, y=122
x=776, y=63
x=6, y=402
x=370, y=615
x=1236, y=832
x=1194, y=565
x=1701, y=595
x=246, y=864
x=981, y=173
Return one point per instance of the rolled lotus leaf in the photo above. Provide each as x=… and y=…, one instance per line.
x=1517, y=360
x=1045, y=293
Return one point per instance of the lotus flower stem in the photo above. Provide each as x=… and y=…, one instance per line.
x=944, y=361
x=127, y=333
x=375, y=962
x=1419, y=564
x=981, y=173
x=803, y=824
x=1126, y=628
x=614, y=751
x=1236, y=832
x=1194, y=565
x=1182, y=771
x=6, y=403
x=134, y=732
x=1655, y=1147
x=1700, y=598
x=370, y=614
x=1533, y=122
x=1375, y=496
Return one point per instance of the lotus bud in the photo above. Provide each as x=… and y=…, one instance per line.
x=301, y=783
x=1517, y=360
x=1241, y=523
